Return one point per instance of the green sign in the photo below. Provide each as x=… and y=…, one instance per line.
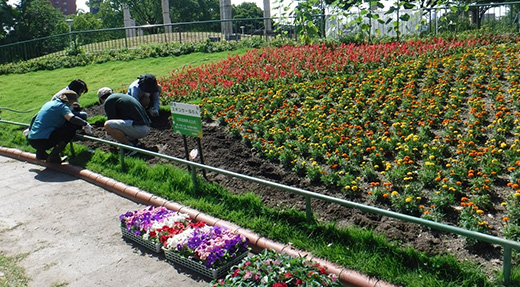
x=186, y=119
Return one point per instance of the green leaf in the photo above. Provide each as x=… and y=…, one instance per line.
x=408, y=5
x=405, y=17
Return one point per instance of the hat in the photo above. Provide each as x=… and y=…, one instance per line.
x=148, y=83
x=104, y=92
x=69, y=97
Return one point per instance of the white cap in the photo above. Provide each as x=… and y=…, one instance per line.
x=103, y=92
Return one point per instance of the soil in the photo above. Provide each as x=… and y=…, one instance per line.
x=222, y=150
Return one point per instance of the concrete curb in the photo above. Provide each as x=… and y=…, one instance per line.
x=256, y=242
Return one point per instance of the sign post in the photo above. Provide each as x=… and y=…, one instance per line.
x=187, y=122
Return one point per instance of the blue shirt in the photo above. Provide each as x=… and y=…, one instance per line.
x=50, y=117
x=137, y=93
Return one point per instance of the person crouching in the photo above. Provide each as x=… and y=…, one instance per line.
x=127, y=120
x=54, y=126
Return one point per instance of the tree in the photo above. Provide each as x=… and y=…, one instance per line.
x=210, y=10
x=248, y=10
x=38, y=18
x=149, y=12
x=110, y=14
x=7, y=19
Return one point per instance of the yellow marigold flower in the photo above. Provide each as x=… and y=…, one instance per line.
x=409, y=199
x=480, y=211
x=395, y=193
x=503, y=203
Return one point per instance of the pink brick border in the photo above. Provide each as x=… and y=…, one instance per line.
x=257, y=243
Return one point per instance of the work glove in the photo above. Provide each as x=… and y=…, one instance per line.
x=88, y=129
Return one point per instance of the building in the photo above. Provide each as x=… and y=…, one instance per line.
x=67, y=7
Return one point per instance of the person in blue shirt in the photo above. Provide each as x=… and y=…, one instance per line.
x=146, y=90
x=54, y=126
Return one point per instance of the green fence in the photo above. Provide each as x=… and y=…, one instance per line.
x=96, y=41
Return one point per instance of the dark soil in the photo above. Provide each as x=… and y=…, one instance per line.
x=222, y=150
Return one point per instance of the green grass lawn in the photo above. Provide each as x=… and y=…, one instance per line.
x=28, y=92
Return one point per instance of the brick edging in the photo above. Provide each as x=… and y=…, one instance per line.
x=256, y=242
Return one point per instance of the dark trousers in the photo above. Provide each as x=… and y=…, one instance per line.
x=63, y=134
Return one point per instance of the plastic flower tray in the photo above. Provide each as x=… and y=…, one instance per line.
x=175, y=258
x=155, y=247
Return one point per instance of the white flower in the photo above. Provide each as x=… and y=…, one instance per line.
x=177, y=239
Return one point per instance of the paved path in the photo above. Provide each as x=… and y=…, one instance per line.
x=66, y=231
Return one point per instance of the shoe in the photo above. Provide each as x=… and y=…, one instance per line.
x=57, y=160
x=54, y=156
x=41, y=155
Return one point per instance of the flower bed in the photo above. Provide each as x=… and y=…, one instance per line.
x=209, y=250
x=394, y=135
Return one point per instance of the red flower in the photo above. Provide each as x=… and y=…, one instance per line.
x=153, y=234
x=280, y=285
x=322, y=270
x=288, y=275
x=235, y=273
x=299, y=282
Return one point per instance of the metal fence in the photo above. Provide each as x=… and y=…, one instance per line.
x=102, y=40
x=426, y=21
